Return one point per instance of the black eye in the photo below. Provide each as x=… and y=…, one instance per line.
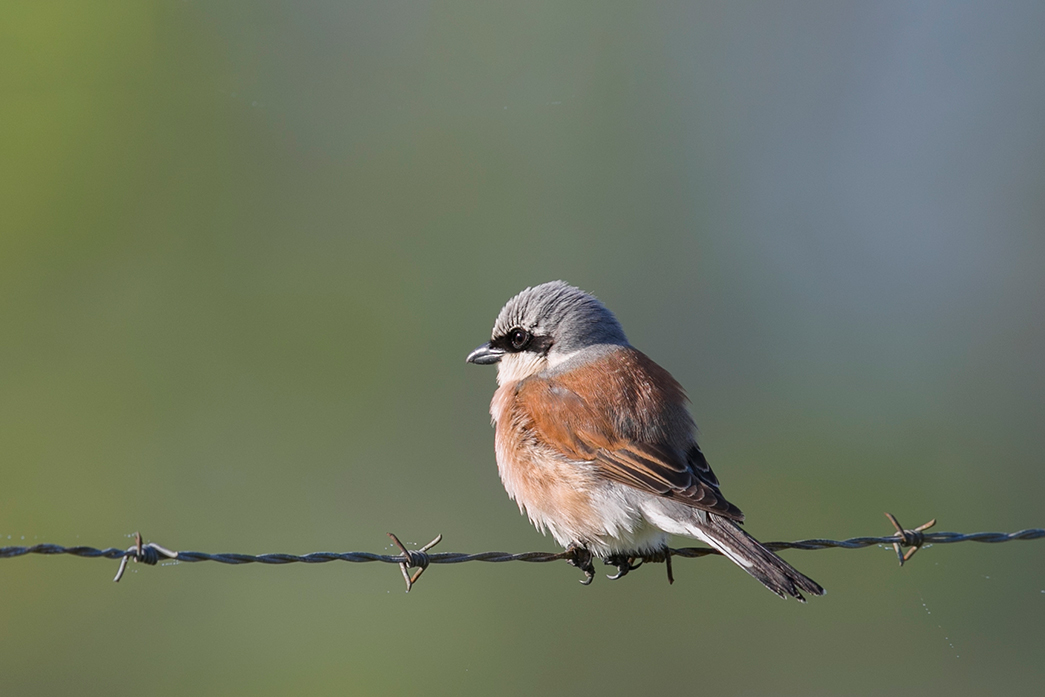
x=520, y=339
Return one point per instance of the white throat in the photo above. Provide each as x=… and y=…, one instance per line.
x=514, y=367
x=518, y=366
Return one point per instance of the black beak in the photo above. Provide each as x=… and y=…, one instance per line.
x=485, y=355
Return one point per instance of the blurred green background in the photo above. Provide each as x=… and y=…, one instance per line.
x=246, y=246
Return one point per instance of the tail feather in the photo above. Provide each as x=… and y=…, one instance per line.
x=750, y=555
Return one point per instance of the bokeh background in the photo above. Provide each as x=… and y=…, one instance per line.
x=246, y=246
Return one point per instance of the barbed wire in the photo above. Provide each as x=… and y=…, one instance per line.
x=420, y=559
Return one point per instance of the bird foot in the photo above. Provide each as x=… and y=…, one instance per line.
x=623, y=563
x=582, y=559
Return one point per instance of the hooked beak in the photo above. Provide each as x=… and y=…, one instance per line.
x=485, y=355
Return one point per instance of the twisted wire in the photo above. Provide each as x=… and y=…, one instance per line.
x=279, y=558
x=152, y=553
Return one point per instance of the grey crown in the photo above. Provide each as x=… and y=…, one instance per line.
x=572, y=318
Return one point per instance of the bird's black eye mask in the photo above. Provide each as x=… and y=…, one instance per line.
x=518, y=340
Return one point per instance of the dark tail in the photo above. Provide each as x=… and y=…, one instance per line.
x=749, y=554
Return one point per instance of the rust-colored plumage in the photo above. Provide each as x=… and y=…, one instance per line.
x=596, y=445
x=632, y=425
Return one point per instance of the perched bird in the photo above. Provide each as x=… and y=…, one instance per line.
x=596, y=445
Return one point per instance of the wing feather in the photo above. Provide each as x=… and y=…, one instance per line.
x=652, y=449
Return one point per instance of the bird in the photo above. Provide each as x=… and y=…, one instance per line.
x=595, y=443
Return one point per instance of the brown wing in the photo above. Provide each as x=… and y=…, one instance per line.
x=633, y=427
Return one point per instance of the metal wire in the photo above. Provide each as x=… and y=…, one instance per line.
x=420, y=559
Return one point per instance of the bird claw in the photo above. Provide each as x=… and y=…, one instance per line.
x=624, y=565
x=582, y=559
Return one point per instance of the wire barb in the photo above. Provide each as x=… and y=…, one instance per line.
x=908, y=538
x=665, y=556
x=148, y=554
x=414, y=558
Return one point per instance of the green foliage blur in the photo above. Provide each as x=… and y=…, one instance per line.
x=246, y=246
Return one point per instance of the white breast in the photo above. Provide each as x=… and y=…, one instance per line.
x=568, y=498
